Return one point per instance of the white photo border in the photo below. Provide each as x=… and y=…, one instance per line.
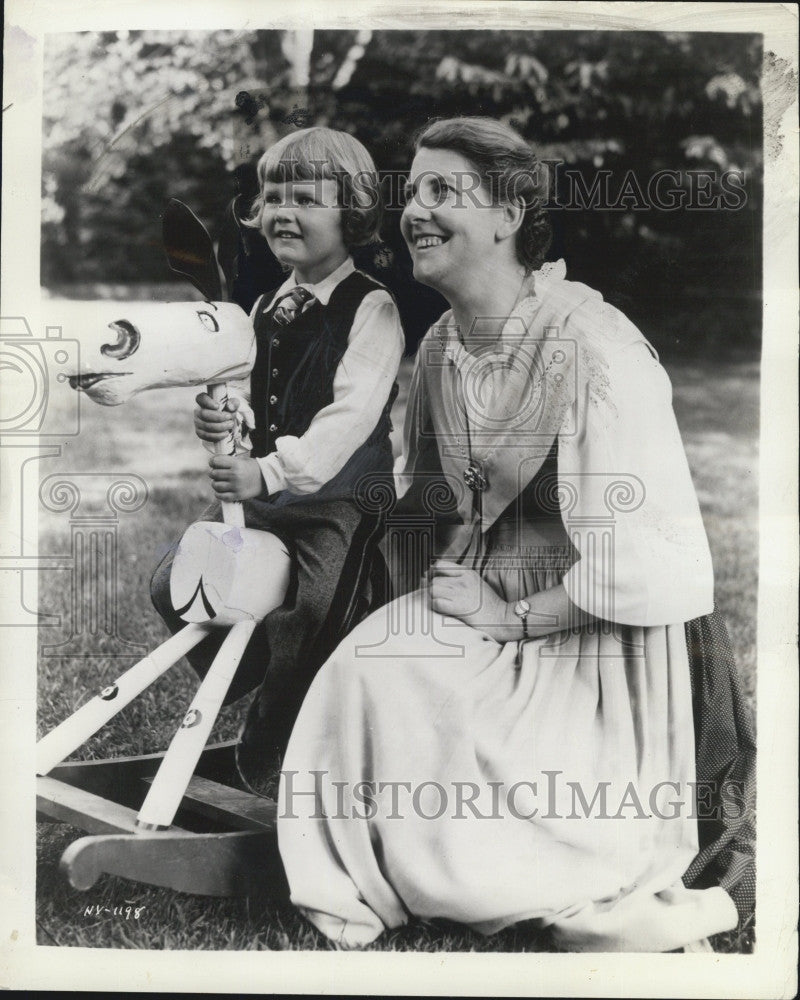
x=771, y=970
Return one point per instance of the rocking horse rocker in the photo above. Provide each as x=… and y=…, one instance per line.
x=177, y=819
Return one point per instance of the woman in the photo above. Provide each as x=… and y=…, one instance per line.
x=515, y=739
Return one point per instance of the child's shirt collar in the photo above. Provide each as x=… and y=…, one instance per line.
x=322, y=290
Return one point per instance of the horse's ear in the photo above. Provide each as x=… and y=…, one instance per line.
x=230, y=249
x=189, y=249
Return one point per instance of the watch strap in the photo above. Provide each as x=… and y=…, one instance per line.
x=521, y=610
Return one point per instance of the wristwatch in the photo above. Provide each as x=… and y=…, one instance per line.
x=522, y=609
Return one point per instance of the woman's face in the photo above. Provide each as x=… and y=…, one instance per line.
x=449, y=222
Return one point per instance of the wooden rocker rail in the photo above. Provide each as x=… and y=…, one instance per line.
x=222, y=844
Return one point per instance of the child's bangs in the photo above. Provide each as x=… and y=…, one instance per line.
x=321, y=153
x=300, y=158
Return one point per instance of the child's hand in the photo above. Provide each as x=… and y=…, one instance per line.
x=235, y=478
x=211, y=423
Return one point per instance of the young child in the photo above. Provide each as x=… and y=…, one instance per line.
x=329, y=343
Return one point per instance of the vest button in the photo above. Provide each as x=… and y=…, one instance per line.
x=273, y=428
x=276, y=342
x=273, y=400
x=275, y=373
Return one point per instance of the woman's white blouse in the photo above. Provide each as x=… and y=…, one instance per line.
x=571, y=366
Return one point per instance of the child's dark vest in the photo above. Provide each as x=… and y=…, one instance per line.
x=292, y=380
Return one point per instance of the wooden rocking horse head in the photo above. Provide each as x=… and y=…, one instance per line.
x=133, y=347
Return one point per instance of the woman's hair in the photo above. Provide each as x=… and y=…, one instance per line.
x=317, y=153
x=509, y=170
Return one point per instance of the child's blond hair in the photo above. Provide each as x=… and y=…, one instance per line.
x=317, y=153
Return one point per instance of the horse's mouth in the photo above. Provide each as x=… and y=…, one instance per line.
x=85, y=382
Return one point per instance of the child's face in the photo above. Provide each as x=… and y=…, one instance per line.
x=302, y=222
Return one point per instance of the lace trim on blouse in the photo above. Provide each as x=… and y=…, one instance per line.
x=527, y=304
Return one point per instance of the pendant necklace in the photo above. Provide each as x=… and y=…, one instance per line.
x=474, y=474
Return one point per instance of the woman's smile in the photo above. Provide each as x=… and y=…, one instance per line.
x=423, y=241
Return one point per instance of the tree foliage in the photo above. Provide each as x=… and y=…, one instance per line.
x=133, y=118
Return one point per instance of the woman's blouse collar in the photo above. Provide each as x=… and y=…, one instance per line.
x=528, y=301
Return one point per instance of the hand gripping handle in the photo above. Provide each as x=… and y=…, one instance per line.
x=232, y=513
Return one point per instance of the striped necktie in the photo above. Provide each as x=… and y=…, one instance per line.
x=291, y=304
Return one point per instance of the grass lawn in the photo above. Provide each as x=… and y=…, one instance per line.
x=152, y=437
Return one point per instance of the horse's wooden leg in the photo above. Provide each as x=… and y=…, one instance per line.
x=180, y=760
x=75, y=730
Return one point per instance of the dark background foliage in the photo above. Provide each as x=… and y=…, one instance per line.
x=134, y=118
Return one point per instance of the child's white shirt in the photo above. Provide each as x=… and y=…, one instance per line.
x=361, y=387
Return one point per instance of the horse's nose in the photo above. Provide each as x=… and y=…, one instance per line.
x=128, y=340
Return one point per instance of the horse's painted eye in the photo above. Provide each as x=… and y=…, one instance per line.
x=209, y=322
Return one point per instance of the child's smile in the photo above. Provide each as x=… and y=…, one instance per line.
x=302, y=222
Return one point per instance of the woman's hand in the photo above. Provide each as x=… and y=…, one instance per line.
x=463, y=593
x=235, y=478
x=211, y=423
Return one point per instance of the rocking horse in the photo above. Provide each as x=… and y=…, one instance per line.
x=175, y=819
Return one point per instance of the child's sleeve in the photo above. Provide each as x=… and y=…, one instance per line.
x=361, y=386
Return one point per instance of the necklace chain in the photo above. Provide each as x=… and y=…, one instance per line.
x=474, y=473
